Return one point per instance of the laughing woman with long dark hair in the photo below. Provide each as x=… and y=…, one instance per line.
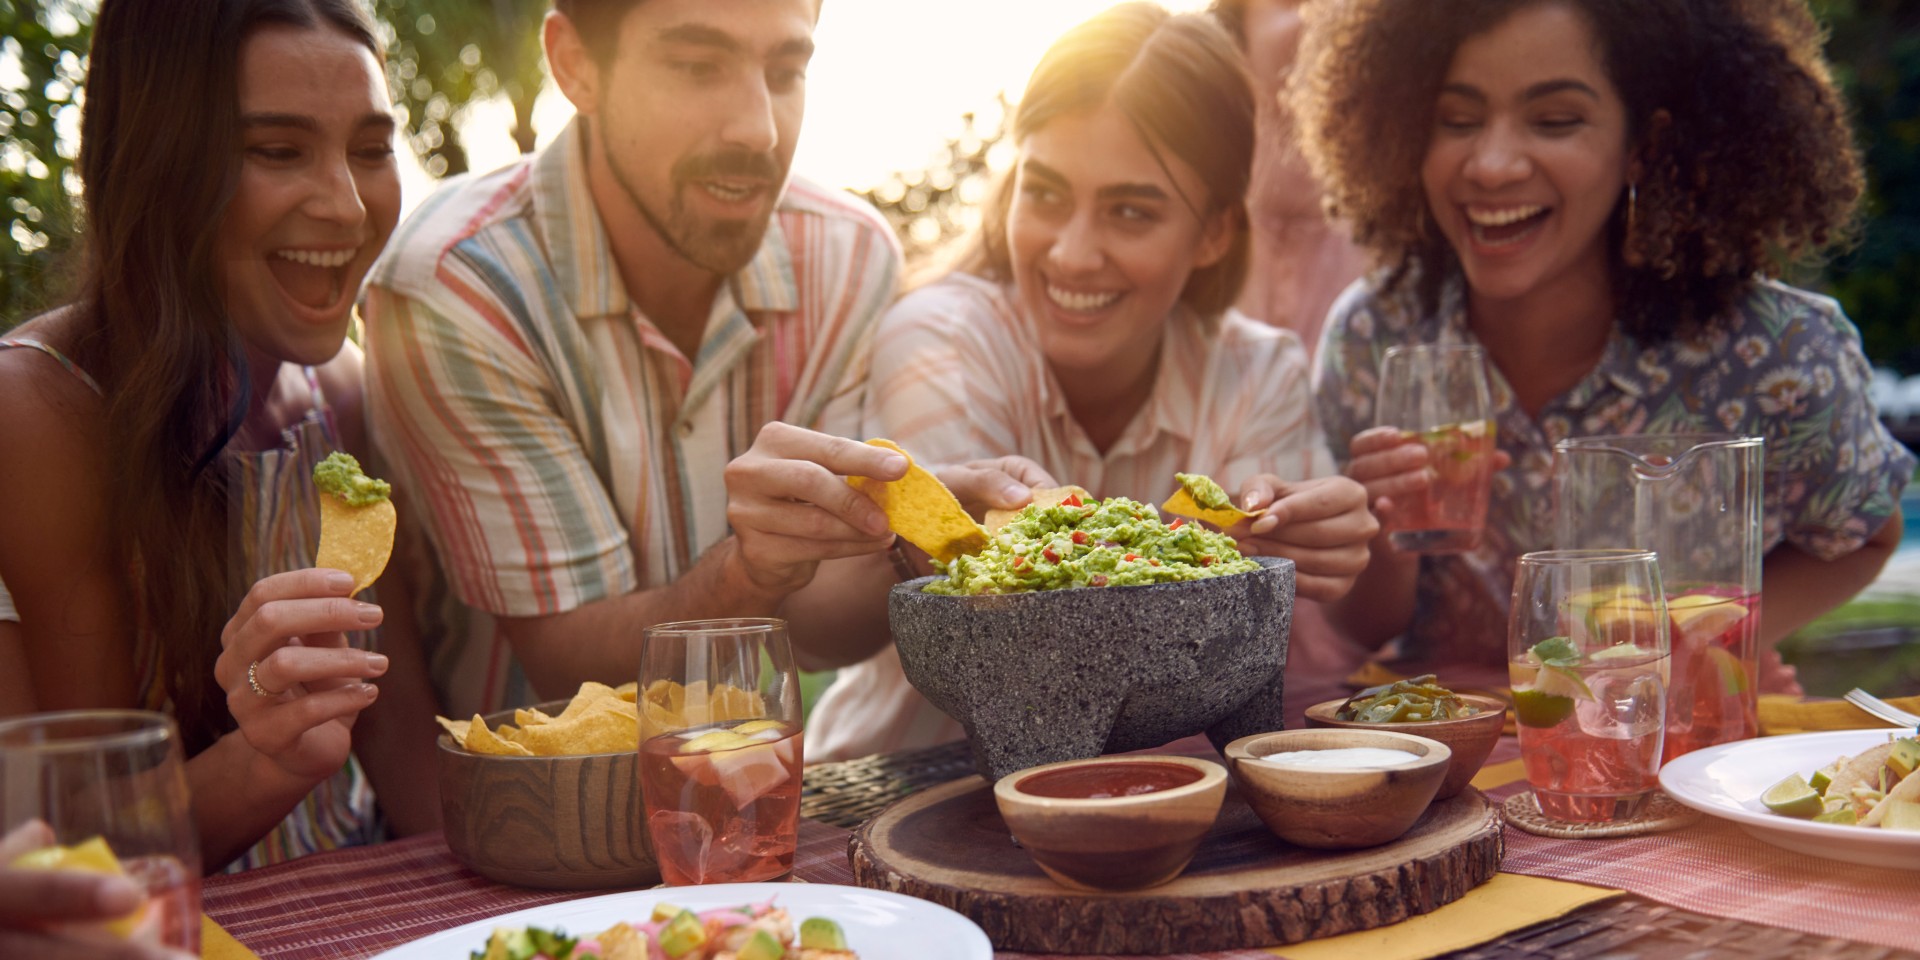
x=157, y=520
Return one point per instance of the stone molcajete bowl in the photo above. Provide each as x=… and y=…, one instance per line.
x=1065, y=674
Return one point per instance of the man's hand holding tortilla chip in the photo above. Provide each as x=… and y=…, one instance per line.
x=790, y=506
x=1321, y=524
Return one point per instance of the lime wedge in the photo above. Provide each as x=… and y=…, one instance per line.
x=717, y=740
x=1538, y=708
x=1562, y=681
x=1793, y=797
x=1624, y=651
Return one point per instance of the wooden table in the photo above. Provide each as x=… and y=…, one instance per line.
x=356, y=903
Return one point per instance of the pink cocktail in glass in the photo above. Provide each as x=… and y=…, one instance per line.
x=723, y=801
x=1715, y=634
x=1588, y=656
x=1448, y=517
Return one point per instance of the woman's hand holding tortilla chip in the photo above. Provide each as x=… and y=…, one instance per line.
x=1322, y=525
x=292, y=682
x=790, y=506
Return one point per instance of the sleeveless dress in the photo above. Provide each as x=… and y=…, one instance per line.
x=275, y=518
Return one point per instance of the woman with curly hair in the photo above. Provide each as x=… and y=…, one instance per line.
x=1596, y=193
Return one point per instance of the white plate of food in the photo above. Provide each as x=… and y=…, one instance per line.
x=877, y=924
x=1727, y=781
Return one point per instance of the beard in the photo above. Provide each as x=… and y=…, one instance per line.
x=721, y=246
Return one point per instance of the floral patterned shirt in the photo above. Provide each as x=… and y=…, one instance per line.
x=1789, y=369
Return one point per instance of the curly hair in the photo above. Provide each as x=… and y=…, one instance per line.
x=1755, y=169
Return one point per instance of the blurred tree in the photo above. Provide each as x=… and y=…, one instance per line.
x=445, y=54
x=1875, y=48
x=932, y=207
x=42, y=67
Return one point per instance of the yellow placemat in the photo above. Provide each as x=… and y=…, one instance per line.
x=1502, y=905
x=1783, y=714
x=1496, y=775
x=218, y=944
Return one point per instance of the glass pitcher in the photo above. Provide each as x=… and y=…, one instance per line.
x=1695, y=500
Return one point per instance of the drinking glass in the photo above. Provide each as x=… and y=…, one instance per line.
x=115, y=776
x=1437, y=395
x=1587, y=654
x=720, y=749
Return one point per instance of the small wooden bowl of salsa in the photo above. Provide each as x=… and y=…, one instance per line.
x=1112, y=823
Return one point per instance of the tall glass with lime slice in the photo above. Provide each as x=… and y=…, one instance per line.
x=112, y=784
x=1588, y=657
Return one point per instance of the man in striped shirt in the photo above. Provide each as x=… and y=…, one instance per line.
x=615, y=378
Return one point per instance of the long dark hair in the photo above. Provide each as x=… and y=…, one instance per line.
x=1182, y=83
x=160, y=159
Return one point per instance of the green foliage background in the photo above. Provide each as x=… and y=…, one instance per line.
x=48, y=39
x=446, y=54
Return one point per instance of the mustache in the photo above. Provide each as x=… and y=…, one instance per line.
x=731, y=163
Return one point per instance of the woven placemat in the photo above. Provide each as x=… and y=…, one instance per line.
x=1662, y=813
x=849, y=792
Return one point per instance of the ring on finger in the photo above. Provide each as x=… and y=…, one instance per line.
x=253, y=680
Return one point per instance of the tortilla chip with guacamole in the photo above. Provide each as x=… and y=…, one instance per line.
x=922, y=510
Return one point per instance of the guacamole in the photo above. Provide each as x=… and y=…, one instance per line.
x=339, y=474
x=1091, y=543
x=1204, y=491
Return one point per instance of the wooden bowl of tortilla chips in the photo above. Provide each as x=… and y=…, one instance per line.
x=549, y=796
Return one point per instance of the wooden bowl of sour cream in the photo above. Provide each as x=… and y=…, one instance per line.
x=1337, y=789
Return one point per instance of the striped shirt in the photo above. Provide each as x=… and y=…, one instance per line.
x=958, y=374
x=558, y=447
x=275, y=524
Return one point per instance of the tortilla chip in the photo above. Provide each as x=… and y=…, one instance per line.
x=356, y=539
x=482, y=740
x=1181, y=504
x=530, y=717
x=603, y=725
x=589, y=694
x=666, y=706
x=1043, y=497
x=628, y=691
x=457, y=728
x=923, y=511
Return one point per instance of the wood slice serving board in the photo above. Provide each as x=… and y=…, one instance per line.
x=1245, y=887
